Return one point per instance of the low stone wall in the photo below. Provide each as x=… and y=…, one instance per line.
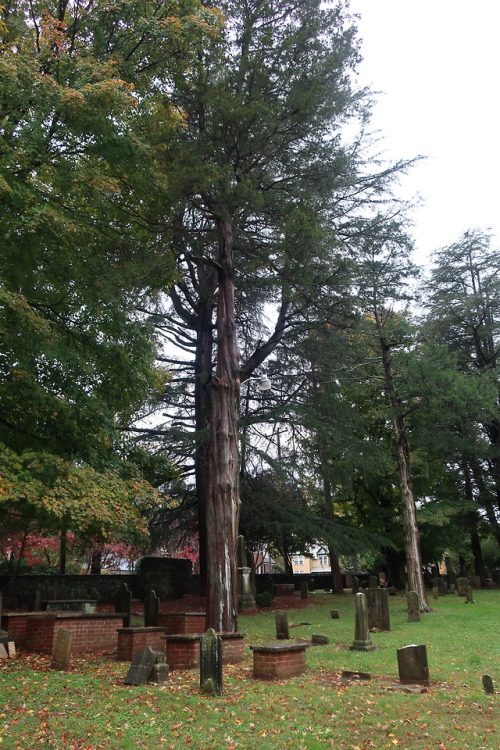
x=279, y=661
x=91, y=632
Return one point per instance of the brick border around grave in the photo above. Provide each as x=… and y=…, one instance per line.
x=279, y=661
x=91, y=632
x=183, y=623
x=131, y=640
x=183, y=650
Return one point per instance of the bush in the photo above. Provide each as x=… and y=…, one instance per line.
x=263, y=599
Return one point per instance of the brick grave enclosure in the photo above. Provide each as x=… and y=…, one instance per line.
x=131, y=640
x=183, y=623
x=183, y=651
x=279, y=661
x=91, y=632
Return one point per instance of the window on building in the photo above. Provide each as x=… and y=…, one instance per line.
x=298, y=560
x=323, y=560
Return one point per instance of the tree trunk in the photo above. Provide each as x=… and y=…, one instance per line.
x=337, y=585
x=96, y=562
x=223, y=454
x=63, y=547
x=410, y=525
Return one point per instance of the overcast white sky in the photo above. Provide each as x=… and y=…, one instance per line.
x=437, y=66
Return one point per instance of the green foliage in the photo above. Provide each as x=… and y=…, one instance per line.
x=263, y=598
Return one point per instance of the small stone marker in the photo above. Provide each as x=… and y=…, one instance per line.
x=488, y=684
x=470, y=596
x=282, y=630
x=141, y=667
x=151, y=609
x=435, y=592
x=211, y=663
x=335, y=614
x=462, y=584
x=378, y=609
x=348, y=675
x=11, y=649
x=3, y=652
x=320, y=640
x=413, y=607
x=159, y=673
x=412, y=664
x=62, y=649
x=304, y=589
x=362, y=640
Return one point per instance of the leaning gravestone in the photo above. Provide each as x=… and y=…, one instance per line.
x=282, y=630
x=413, y=607
x=462, y=584
x=123, y=604
x=3, y=652
x=362, y=641
x=141, y=667
x=151, y=609
x=488, y=686
x=412, y=664
x=62, y=649
x=211, y=663
x=378, y=609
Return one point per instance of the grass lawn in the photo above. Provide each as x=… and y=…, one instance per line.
x=88, y=707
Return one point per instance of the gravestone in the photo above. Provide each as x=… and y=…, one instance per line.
x=246, y=599
x=151, y=609
x=348, y=580
x=413, y=607
x=320, y=640
x=211, y=663
x=159, y=672
x=373, y=582
x=440, y=584
x=304, y=590
x=362, y=640
x=62, y=649
x=11, y=649
x=435, y=592
x=355, y=585
x=335, y=614
x=311, y=585
x=378, y=609
x=412, y=664
x=282, y=630
x=3, y=652
x=382, y=580
x=462, y=584
x=488, y=686
x=141, y=667
x=123, y=604
x=451, y=576
x=469, y=596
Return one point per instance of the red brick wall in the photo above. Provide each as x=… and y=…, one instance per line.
x=135, y=639
x=183, y=623
x=183, y=654
x=15, y=625
x=279, y=665
x=233, y=649
x=90, y=633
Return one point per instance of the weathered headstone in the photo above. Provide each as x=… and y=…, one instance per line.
x=378, y=609
x=469, y=596
x=488, y=686
x=11, y=649
x=382, y=580
x=373, y=582
x=211, y=663
x=362, y=641
x=246, y=599
x=159, y=673
x=355, y=585
x=3, y=652
x=141, y=667
x=462, y=584
x=123, y=604
x=151, y=609
x=413, y=607
x=412, y=664
x=320, y=640
x=62, y=649
x=348, y=580
x=282, y=630
x=335, y=614
x=435, y=592
x=304, y=589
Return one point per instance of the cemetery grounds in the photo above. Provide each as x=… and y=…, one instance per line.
x=88, y=707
